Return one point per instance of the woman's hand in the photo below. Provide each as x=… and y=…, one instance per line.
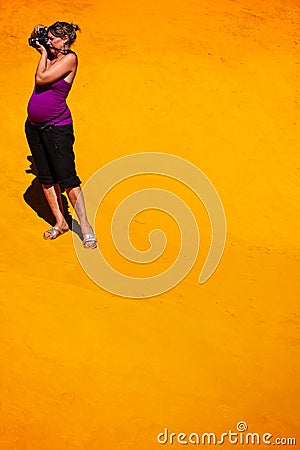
x=36, y=31
x=40, y=48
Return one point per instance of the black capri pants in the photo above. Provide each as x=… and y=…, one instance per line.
x=52, y=149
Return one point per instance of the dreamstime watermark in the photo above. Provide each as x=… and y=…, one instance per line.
x=164, y=164
x=240, y=436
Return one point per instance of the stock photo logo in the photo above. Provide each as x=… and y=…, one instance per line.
x=166, y=165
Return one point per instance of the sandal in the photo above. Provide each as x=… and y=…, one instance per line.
x=54, y=233
x=90, y=237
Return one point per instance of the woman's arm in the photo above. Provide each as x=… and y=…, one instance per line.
x=42, y=65
x=60, y=69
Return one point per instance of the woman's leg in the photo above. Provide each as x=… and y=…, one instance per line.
x=76, y=198
x=53, y=196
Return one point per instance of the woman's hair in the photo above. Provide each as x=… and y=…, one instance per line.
x=60, y=29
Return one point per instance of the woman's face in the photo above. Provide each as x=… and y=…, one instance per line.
x=55, y=43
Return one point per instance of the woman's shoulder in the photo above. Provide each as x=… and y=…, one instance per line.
x=71, y=52
x=71, y=59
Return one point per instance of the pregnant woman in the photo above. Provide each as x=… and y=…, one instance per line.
x=49, y=126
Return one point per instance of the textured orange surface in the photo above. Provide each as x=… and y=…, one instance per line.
x=215, y=83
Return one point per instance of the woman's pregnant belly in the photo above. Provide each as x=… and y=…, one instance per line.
x=45, y=105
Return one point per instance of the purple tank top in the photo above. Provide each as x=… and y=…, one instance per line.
x=47, y=104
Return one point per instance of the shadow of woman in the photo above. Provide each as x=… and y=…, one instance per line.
x=35, y=198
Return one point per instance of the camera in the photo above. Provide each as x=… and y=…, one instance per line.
x=42, y=38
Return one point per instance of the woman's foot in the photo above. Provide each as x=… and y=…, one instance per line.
x=89, y=239
x=56, y=231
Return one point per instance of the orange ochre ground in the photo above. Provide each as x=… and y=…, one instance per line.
x=212, y=82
